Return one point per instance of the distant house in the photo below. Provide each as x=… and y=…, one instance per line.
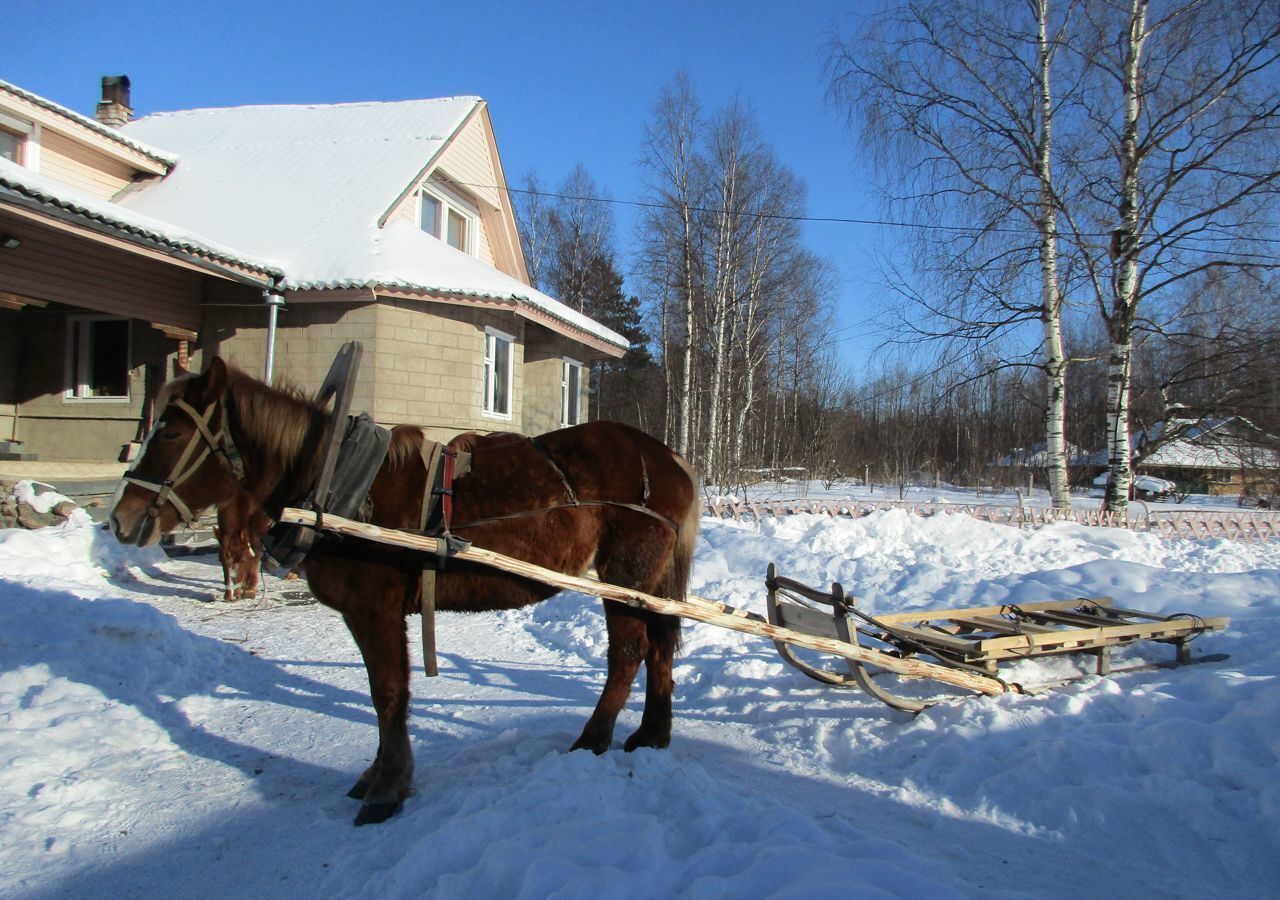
x=269, y=235
x=1035, y=457
x=1217, y=456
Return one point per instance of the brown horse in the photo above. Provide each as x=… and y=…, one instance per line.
x=600, y=494
x=242, y=523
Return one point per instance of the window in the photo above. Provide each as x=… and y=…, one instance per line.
x=97, y=358
x=11, y=145
x=429, y=214
x=497, y=373
x=570, y=392
x=446, y=214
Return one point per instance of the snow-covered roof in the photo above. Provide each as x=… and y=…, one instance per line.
x=307, y=185
x=22, y=182
x=1230, y=442
x=93, y=125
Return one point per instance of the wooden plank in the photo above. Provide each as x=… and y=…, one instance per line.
x=927, y=615
x=1002, y=626
x=699, y=610
x=955, y=644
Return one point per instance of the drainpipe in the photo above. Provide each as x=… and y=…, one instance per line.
x=275, y=300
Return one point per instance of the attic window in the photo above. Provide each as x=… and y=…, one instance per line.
x=445, y=214
x=15, y=141
x=11, y=145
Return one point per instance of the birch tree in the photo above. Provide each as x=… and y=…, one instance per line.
x=669, y=158
x=1181, y=166
x=957, y=104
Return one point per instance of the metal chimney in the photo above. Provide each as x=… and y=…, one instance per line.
x=114, y=109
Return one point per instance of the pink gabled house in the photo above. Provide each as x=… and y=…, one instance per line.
x=269, y=235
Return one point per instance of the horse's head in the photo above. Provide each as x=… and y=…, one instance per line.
x=183, y=467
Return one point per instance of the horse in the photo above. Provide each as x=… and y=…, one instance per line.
x=242, y=523
x=599, y=494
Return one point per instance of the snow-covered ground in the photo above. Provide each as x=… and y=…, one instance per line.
x=157, y=743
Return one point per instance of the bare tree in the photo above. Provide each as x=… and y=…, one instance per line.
x=729, y=283
x=1179, y=164
x=957, y=103
x=669, y=158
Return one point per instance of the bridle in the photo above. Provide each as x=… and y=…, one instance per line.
x=189, y=460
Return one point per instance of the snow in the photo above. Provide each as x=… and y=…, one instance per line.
x=48, y=190
x=263, y=178
x=157, y=742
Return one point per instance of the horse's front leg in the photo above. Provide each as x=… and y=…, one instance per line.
x=380, y=634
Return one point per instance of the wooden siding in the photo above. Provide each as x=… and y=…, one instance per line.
x=57, y=266
x=467, y=160
x=82, y=167
x=94, y=145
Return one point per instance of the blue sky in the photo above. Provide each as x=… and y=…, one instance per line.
x=567, y=82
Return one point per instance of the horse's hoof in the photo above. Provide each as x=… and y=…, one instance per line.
x=595, y=746
x=358, y=790
x=373, y=813
x=644, y=738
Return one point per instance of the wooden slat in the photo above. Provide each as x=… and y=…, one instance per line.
x=1001, y=626
x=927, y=615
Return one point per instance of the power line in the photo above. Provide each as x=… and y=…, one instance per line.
x=842, y=220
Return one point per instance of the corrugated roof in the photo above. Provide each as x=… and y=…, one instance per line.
x=92, y=124
x=131, y=224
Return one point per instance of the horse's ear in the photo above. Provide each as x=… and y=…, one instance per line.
x=214, y=380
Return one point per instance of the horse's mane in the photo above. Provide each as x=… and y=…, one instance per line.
x=281, y=418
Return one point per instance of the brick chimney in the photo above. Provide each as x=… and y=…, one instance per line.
x=114, y=109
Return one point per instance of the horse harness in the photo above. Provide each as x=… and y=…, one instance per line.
x=186, y=465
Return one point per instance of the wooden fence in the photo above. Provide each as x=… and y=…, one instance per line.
x=1246, y=525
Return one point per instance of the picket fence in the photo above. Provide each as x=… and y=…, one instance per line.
x=1245, y=525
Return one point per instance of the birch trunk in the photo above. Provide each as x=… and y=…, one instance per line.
x=1124, y=252
x=1055, y=363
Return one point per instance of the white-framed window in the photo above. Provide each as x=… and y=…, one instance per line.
x=444, y=213
x=497, y=372
x=570, y=391
x=18, y=142
x=97, y=358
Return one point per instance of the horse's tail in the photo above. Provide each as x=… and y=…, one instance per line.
x=675, y=580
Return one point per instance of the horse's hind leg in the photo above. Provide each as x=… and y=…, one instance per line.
x=628, y=647
x=380, y=634
x=655, y=724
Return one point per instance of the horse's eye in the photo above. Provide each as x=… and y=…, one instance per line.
x=170, y=434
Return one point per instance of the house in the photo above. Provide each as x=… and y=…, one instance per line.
x=269, y=235
x=1219, y=456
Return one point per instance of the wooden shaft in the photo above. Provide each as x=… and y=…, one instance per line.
x=697, y=608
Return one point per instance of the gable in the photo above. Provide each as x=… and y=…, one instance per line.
x=468, y=164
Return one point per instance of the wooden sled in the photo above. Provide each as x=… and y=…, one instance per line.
x=976, y=639
x=804, y=617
